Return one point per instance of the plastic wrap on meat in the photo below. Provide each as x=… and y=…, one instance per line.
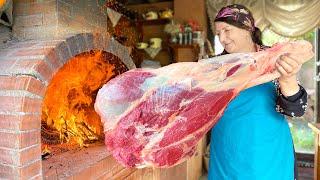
x=155, y=117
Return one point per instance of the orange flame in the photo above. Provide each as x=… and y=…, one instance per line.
x=2, y=2
x=68, y=106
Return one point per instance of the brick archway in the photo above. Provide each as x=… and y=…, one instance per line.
x=26, y=69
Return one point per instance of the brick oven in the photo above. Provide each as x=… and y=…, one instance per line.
x=49, y=36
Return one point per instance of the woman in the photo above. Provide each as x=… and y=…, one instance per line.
x=252, y=140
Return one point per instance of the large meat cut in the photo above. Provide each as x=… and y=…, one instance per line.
x=155, y=117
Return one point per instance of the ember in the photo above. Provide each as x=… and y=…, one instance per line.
x=68, y=115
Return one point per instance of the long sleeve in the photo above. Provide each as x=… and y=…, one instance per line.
x=295, y=105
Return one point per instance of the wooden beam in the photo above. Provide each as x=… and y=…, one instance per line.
x=317, y=67
x=316, y=129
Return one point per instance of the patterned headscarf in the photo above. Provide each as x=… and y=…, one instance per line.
x=236, y=15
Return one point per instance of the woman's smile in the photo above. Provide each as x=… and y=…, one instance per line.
x=228, y=46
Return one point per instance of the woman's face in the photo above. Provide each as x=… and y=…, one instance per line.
x=233, y=39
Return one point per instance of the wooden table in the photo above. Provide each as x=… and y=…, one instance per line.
x=316, y=130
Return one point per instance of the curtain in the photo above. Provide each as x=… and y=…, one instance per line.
x=288, y=18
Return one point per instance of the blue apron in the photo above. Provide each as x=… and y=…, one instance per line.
x=252, y=140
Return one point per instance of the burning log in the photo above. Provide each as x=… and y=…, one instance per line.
x=68, y=115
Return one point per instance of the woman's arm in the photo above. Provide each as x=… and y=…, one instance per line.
x=288, y=67
x=295, y=105
x=292, y=99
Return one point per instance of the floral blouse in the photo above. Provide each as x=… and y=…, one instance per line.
x=295, y=105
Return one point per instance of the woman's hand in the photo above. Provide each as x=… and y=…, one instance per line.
x=288, y=67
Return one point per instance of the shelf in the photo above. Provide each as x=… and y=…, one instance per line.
x=153, y=4
x=183, y=45
x=141, y=3
x=154, y=21
x=157, y=7
x=153, y=28
x=184, y=52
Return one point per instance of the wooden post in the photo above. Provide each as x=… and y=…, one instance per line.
x=316, y=130
x=317, y=157
x=317, y=68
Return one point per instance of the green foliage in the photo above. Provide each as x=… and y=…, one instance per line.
x=269, y=37
x=302, y=135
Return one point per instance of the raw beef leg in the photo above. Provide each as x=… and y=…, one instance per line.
x=155, y=117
